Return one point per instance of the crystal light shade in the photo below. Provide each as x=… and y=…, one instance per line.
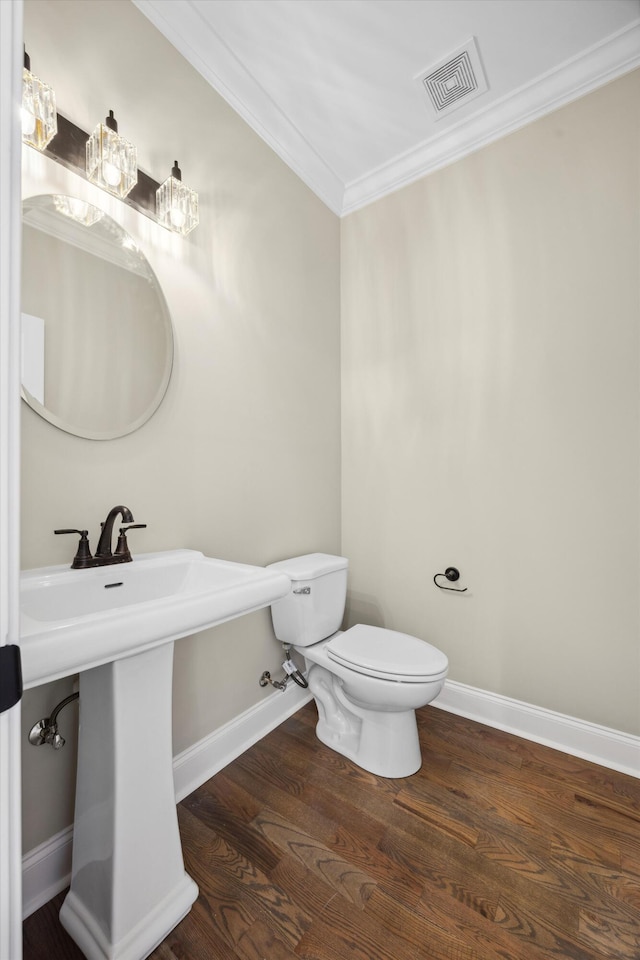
x=78, y=210
x=111, y=160
x=39, y=118
x=177, y=204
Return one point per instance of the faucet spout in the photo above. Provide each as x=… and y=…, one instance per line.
x=104, y=543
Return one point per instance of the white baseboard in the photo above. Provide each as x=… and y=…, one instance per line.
x=602, y=745
x=46, y=870
x=204, y=759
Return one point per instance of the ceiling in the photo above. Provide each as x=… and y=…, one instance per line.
x=331, y=85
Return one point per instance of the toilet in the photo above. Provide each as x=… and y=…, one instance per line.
x=367, y=681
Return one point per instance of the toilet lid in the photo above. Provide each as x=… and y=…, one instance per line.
x=387, y=654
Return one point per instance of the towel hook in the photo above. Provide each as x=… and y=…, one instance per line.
x=452, y=574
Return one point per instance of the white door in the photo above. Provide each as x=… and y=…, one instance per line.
x=10, y=239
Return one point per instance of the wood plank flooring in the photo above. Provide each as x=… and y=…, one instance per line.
x=497, y=848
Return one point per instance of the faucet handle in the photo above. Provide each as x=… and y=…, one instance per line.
x=124, y=531
x=122, y=549
x=83, y=554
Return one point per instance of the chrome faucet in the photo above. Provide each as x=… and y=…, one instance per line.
x=104, y=555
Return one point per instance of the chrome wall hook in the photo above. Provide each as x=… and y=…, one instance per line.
x=452, y=574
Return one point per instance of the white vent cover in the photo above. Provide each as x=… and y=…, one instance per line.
x=455, y=80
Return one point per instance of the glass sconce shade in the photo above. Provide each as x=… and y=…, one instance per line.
x=177, y=204
x=111, y=160
x=78, y=210
x=39, y=118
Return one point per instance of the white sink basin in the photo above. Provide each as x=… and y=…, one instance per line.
x=73, y=620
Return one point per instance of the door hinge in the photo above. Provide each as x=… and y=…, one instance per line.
x=10, y=676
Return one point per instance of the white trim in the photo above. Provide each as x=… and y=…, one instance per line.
x=198, y=42
x=180, y=22
x=10, y=242
x=204, y=759
x=46, y=870
x=579, y=738
x=607, y=60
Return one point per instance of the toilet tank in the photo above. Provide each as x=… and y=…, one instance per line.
x=314, y=607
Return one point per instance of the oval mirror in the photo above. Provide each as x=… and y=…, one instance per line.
x=97, y=343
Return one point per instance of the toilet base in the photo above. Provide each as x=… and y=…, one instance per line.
x=382, y=742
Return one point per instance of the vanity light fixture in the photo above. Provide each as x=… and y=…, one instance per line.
x=177, y=204
x=78, y=210
x=111, y=160
x=39, y=117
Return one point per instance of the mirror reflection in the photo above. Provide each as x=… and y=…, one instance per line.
x=97, y=344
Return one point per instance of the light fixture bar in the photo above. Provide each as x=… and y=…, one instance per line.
x=68, y=148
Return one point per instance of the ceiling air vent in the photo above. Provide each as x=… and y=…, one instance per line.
x=454, y=81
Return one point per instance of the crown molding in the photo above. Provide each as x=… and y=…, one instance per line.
x=605, y=61
x=198, y=43
x=182, y=25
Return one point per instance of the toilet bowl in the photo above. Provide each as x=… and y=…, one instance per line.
x=367, y=681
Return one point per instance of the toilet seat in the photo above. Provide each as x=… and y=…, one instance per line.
x=387, y=654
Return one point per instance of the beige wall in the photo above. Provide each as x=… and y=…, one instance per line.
x=490, y=410
x=242, y=459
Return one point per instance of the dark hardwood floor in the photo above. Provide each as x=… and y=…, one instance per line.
x=497, y=848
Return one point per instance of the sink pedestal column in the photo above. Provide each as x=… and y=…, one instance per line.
x=129, y=888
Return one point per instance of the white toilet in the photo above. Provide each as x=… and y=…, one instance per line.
x=367, y=682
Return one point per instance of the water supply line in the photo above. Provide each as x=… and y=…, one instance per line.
x=46, y=730
x=291, y=672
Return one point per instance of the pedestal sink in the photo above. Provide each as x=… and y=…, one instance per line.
x=116, y=627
